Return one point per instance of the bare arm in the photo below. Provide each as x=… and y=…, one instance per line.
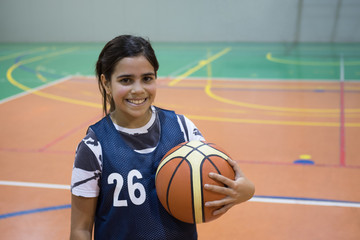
x=237, y=191
x=82, y=217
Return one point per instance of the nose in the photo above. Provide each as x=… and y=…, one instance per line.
x=137, y=87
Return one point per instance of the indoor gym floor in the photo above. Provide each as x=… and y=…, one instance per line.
x=288, y=114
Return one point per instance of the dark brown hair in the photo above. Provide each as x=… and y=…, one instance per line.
x=116, y=49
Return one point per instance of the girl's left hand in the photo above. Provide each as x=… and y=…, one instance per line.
x=237, y=191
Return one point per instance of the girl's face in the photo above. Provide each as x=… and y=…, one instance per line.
x=133, y=88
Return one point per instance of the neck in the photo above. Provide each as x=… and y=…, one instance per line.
x=127, y=121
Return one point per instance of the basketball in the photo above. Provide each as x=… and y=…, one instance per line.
x=181, y=175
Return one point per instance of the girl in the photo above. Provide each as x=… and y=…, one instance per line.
x=113, y=179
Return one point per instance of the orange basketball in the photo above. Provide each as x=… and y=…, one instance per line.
x=181, y=175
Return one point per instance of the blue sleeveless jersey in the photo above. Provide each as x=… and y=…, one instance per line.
x=128, y=207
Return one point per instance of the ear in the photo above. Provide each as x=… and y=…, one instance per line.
x=106, y=84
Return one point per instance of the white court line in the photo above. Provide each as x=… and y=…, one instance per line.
x=261, y=199
x=305, y=201
x=36, y=185
x=24, y=93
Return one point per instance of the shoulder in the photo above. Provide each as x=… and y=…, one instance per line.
x=191, y=132
x=87, y=167
x=89, y=145
x=187, y=127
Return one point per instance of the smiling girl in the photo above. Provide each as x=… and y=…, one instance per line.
x=113, y=179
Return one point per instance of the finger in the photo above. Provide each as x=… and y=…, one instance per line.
x=220, y=178
x=216, y=203
x=223, y=209
x=236, y=167
x=219, y=203
x=218, y=189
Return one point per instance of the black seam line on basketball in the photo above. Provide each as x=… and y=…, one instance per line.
x=191, y=180
x=212, y=163
x=169, y=185
x=199, y=150
x=192, y=190
x=216, y=166
x=202, y=192
x=202, y=183
x=210, y=144
x=201, y=179
x=170, y=159
x=195, y=148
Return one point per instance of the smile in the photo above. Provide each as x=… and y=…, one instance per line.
x=136, y=101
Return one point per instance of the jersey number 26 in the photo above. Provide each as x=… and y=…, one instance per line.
x=116, y=178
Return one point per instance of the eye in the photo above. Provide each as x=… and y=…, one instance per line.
x=125, y=81
x=148, y=78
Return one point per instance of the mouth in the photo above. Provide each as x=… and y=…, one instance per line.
x=136, y=101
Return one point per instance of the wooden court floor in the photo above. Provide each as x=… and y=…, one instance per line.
x=297, y=141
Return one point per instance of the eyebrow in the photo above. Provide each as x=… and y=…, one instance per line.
x=131, y=75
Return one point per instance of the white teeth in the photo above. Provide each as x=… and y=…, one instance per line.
x=137, y=101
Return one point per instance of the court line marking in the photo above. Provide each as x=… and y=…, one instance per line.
x=69, y=133
x=256, y=198
x=271, y=122
x=308, y=63
x=43, y=94
x=207, y=89
x=36, y=210
x=49, y=84
x=259, y=199
x=244, y=104
x=272, y=108
x=200, y=65
x=34, y=185
x=342, y=114
x=263, y=80
x=14, y=55
x=209, y=85
x=208, y=118
x=260, y=87
x=305, y=201
x=37, y=71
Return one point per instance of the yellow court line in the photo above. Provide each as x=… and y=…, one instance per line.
x=223, y=110
x=200, y=65
x=281, y=87
x=272, y=122
x=264, y=86
x=208, y=87
x=209, y=68
x=254, y=121
x=22, y=53
x=41, y=77
x=316, y=115
x=272, y=108
x=264, y=107
x=308, y=63
x=39, y=93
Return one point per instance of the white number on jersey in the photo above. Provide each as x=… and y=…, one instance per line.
x=132, y=188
